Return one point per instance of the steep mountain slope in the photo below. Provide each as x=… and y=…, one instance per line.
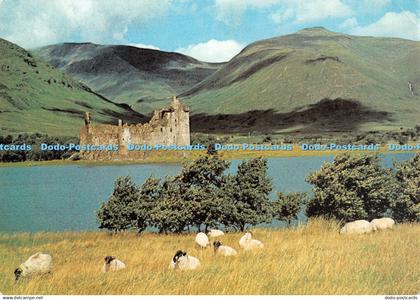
x=311, y=77
x=139, y=77
x=35, y=97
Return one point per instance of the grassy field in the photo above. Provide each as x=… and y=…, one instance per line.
x=312, y=259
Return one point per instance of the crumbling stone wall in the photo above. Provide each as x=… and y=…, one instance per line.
x=168, y=126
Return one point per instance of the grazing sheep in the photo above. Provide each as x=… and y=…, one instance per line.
x=112, y=264
x=359, y=227
x=213, y=233
x=202, y=240
x=382, y=223
x=182, y=261
x=248, y=243
x=223, y=250
x=37, y=264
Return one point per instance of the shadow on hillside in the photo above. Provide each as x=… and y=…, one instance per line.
x=328, y=115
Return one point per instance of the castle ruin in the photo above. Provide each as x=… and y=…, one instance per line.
x=168, y=126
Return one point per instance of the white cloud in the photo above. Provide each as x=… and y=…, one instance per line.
x=366, y=6
x=230, y=11
x=349, y=24
x=139, y=45
x=282, y=16
x=213, y=50
x=303, y=11
x=33, y=23
x=376, y=4
x=403, y=25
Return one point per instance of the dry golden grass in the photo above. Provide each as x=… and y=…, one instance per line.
x=312, y=259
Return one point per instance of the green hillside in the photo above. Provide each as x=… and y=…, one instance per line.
x=314, y=80
x=143, y=78
x=35, y=97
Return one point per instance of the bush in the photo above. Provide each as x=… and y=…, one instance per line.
x=351, y=188
x=201, y=195
x=406, y=207
x=247, y=193
x=117, y=213
x=287, y=206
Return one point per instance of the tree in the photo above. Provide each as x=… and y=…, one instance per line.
x=350, y=188
x=406, y=207
x=201, y=182
x=141, y=209
x=287, y=206
x=171, y=213
x=247, y=192
x=116, y=213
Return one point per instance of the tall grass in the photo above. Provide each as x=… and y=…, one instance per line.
x=311, y=259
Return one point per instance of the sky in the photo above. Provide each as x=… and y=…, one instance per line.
x=209, y=30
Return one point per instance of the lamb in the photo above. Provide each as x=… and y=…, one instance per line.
x=202, y=240
x=112, y=264
x=382, y=223
x=182, y=261
x=223, y=250
x=359, y=227
x=213, y=233
x=37, y=264
x=248, y=243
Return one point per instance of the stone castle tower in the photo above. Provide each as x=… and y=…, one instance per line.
x=168, y=126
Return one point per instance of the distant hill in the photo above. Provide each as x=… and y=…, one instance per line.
x=139, y=77
x=314, y=80
x=35, y=97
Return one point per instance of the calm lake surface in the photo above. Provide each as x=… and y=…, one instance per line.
x=65, y=198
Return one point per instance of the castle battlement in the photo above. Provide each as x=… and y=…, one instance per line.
x=168, y=126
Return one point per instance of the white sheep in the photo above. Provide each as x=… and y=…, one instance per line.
x=213, y=233
x=182, y=261
x=382, y=223
x=202, y=240
x=359, y=227
x=37, y=264
x=248, y=243
x=223, y=250
x=112, y=264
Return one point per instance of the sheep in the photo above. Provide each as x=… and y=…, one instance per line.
x=202, y=240
x=182, y=261
x=112, y=264
x=248, y=243
x=37, y=264
x=223, y=250
x=382, y=223
x=359, y=227
x=213, y=233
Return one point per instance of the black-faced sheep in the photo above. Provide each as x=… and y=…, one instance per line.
x=112, y=264
x=202, y=240
x=213, y=233
x=382, y=223
x=37, y=264
x=223, y=250
x=248, y=243
x=357, y=227
x=182, y=261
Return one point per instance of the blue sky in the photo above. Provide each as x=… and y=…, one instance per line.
x=211, y=30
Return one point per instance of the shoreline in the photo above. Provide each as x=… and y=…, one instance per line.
x=178, y=157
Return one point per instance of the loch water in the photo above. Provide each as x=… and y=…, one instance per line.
x=65, y=198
